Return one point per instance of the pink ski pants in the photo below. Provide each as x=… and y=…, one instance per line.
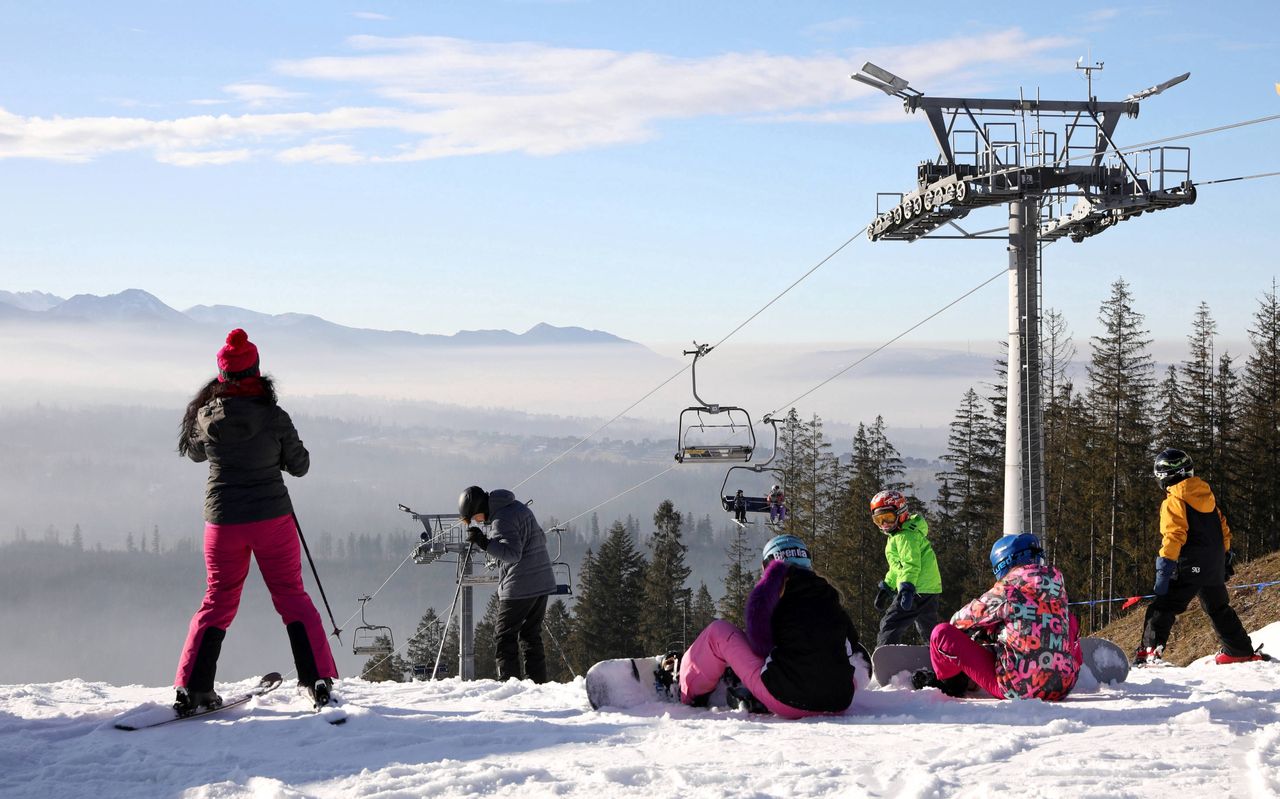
x=722, y=645
x=952, y=651
x=227, y=548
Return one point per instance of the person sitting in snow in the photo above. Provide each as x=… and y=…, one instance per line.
x=797, y=655
x=908, y=594
x=1034, y=648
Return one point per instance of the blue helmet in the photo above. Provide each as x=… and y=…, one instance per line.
x=788, y=548
x=1015, y=550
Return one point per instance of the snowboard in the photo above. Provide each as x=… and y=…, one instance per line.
x=1108, y=662
x=892, y=659
x=627, y=682
x=154, y=718
x=1104, y=659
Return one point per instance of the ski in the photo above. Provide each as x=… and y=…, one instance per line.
x=266, y=685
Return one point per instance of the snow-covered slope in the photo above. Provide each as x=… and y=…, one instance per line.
x=1201, y=731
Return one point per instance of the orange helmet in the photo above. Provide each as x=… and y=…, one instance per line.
x=889, y=510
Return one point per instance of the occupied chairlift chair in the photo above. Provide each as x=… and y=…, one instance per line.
x=753, y=504
x=371, y=639
x=701, y=453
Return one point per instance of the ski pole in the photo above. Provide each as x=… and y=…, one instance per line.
x=337, y=632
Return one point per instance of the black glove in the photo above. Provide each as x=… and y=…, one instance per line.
x=476, y=536
x=906, y=595
x=1166, y=570
x=1229, y=565
x=884, y=596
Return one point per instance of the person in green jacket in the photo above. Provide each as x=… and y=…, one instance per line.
x=908, y=594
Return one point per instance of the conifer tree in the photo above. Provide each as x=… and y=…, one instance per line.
x=381, y=668
x=421, y=650
x=1198, y=392
x=1170, y=422
x=1259, y=509
x=557, y=627
x=739, y=578
x=1120, y=392
x=606, y=615
x=1230, y=464
x=665, y=598
x=971, y=510
x=703, y=610
x=485, y=641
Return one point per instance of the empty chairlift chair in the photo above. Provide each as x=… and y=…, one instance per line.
x=371, y=639
x=735, y=421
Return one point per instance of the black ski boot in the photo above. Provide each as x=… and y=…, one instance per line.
x=739, y=696
x=666, y=675
x=320, y=693
x=955, y=686
x=188, y=702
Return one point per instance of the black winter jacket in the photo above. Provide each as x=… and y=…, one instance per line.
x=809, y=659
x=247, y=441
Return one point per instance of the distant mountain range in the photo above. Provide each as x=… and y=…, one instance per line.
x=138, y=307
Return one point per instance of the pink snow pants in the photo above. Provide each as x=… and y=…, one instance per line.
x=952, y=651
x=227, y=548
x=722, y=644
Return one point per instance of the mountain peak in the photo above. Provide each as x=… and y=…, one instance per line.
x=130, y=305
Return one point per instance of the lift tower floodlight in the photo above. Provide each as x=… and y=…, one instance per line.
x=997, y=152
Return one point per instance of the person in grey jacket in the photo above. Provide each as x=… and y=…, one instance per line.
x=525, y=578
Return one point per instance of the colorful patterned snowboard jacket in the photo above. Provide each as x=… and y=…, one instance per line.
x=1037, y=646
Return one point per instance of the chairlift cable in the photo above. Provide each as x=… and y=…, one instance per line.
x=973, y=290
x=685, y=368
x=1242, y=177
x=622, y=493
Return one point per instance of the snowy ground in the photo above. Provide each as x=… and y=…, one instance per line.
x=1201, y=731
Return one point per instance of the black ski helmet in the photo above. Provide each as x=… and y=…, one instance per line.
x=472, y=501
x=1172, y=467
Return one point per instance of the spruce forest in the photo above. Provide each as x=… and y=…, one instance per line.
x=1103, y=425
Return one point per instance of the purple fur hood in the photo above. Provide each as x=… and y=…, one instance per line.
x=761, y=604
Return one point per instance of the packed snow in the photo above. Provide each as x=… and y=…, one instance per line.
x=1204, y=731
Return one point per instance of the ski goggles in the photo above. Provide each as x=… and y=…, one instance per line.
x=885, y=518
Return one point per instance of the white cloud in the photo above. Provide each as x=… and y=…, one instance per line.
x=202, y=157
x=448, y=97
x=259, y=94
x=321, y=152
x=370, y=15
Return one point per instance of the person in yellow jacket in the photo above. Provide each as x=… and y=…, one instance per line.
x=1195, y=560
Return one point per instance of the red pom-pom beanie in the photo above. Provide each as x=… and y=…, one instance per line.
x=238, y=359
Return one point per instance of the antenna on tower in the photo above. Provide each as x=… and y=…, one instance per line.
x=1088, y=73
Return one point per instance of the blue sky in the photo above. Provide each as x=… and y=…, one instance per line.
x=658, y=170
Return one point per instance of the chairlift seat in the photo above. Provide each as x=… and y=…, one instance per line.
x=564, y=578
x=752, y=504
x=716, y=452
x=365, y=641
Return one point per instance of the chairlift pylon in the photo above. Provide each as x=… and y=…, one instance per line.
x=687, y=451
x=368, y=638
